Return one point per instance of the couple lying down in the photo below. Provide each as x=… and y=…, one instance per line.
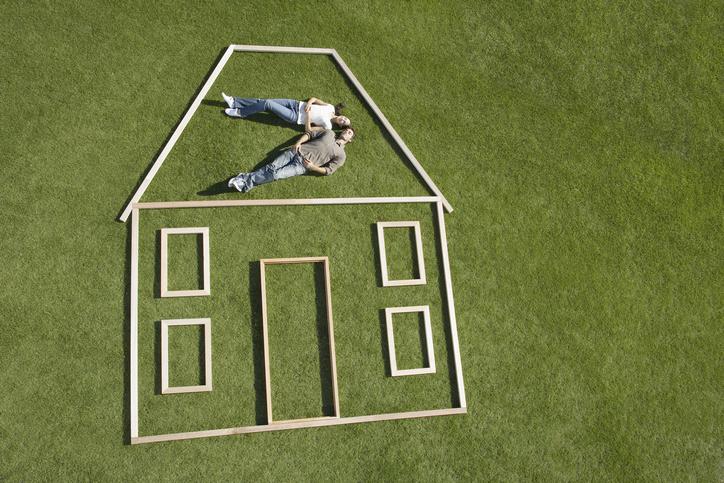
x=319, y=150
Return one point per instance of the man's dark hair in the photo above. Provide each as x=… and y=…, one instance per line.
x=338, y=108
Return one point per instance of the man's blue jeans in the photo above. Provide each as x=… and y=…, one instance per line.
x=286, y=109
x=286, y=165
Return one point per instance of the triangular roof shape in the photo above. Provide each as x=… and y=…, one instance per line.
x=136, y=197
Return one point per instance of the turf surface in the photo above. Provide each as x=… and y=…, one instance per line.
x=579, y=144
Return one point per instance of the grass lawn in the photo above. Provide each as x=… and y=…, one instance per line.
x=580, y=146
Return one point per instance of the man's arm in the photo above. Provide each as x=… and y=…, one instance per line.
x=313, y=168
x=307, y=136
x=314, y=100
x=308, y=126
x=302, y=139
x=330, y=167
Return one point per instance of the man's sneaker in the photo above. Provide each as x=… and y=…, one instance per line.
x=236, y=184
x=232, y=112
x=229, y=100
x=239, y=183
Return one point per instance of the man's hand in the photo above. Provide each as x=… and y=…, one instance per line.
x=297, y=146
x=313, y=168
x=311, y=101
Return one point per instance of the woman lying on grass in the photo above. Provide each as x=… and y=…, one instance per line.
x=295, y=112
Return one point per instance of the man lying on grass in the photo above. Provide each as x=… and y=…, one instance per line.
x=317, y=151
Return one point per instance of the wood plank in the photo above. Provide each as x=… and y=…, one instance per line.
x=319, y=418
x=286, y=261
x=298, y=425
x=207, y=386
x=281, y=49
x=415, y=225
x=134, y=326
x=394, y=371
x=330, y=330
x=265, y=335
x=159, y=205
x=451, y=308
x=164, y=356
x=206, y=260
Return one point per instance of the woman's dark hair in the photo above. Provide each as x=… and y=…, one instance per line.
x=338, y=108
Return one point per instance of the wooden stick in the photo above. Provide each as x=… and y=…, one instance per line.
x=304, y=419
x=394, y=371
x=391, y=131
x=298, y=425
x=158, y=205
x=285, y=261
x=207, y=385
x=451, y=308
x=203, y=291
x=265, y=335
x=134, y=325
x=282, y=50
x=176, y=134
x=330, y=330
x=415, y=225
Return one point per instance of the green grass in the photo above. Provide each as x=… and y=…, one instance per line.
x=580, y=146
x=185, y=353
x=410, y=345
x=185, y=262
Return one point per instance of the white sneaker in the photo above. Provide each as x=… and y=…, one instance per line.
x=229, y=100
x=239, y=184
x=233, y=183
x=232, y=112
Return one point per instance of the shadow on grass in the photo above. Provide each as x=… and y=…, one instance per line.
x=257, y=343
x=157, y=266
x=220, y=104
x=216, y=189
x=200, y=262
x=384, y=344
x=413, y=253
x=325, y=360
x=261, y=118
x=422, y=336
x=221, y=187
x=376, y=254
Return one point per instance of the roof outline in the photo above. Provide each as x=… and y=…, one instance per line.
x=141, y=189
